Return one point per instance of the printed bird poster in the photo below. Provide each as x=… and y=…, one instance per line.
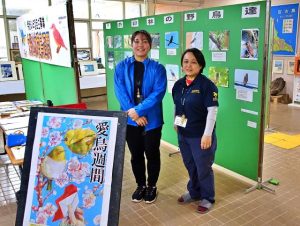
x=127, y=41
x=194, y=40
x=219, y=40
x=155, y=41
x=246, y=79
x=71, y=170
x=117, y=41
x=219, y=76
x=172, y=72
x=249, y=44
x=171, y=40
x=44, y=36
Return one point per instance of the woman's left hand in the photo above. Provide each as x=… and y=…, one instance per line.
x=205, y=142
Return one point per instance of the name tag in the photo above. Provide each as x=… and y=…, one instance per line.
x=180, y=121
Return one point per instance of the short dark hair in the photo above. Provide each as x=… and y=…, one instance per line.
x=198, y=55
x=144, y=32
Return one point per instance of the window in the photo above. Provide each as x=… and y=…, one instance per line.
x=3, y=45
x=107, y=10
x=13, y=35
x=81, y=33
x=81, y=9
x=132, y=10
x=20, y=7
x=1, y=8
x=97, y=25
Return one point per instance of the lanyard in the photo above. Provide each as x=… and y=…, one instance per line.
x=184, y=95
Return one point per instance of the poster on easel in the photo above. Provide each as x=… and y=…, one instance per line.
x=74, y=172
x=44, y=36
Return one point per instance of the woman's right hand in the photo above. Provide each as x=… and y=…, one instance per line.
x=175, y=128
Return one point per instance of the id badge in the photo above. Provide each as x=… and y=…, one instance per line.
x=180, y=121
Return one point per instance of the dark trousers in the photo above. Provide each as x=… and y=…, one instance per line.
x=198, y=163
x=143, y=143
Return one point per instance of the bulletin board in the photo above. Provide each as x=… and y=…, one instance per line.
x=45, y=40
x=73, y=167
x=232, y=41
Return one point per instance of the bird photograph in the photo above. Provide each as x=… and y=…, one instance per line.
x=57, y=38
x=171, y=41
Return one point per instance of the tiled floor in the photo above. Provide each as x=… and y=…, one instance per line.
x=233, y=206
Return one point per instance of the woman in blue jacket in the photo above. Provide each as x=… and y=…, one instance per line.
x=196, y=103
x=140, y=85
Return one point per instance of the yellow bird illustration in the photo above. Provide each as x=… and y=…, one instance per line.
x=54, y=164
x=80, y=141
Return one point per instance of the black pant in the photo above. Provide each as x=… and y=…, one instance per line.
x=141, y=142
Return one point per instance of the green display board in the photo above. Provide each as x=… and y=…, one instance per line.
x=228, y=57
x=49, y=82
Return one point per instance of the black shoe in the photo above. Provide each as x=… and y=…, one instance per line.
x=138, y=194
x=150, y=195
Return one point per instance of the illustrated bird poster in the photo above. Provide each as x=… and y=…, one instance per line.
x=219, y=76
x=249, y=44
x=219, y=40
x=44, y=36
x=71, y=170
x=171, y=40
x=194, y=40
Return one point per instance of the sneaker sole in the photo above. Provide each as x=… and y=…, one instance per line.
x=149, y=202
x=136, y=200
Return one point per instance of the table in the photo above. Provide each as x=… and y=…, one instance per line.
x=9, y=126
x=13, y=159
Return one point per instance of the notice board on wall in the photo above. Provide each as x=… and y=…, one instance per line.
x=232, y=41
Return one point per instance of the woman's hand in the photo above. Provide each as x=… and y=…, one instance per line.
x=132, y=114
x=205, y=142
x=175, y=128
x=141, y=121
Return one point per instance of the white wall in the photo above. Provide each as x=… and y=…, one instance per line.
x=288, y=78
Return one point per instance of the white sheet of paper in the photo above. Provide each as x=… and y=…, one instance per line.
x=171, y=52
x=18, y=152
x=251, y=124
x=249, y=111
x=154, y=54
x=218, y=56
x=170, y=85
x=244, y=94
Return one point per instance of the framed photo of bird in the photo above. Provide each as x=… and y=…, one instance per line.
x=71, y=174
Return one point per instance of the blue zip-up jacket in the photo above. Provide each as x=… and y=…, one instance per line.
x=153, y=90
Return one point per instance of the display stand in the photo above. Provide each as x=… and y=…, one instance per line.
x=260, y=184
